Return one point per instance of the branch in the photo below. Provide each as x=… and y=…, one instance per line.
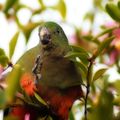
x=91, y=60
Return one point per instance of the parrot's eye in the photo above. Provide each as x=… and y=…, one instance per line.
x=44, y=35
x=58, y=31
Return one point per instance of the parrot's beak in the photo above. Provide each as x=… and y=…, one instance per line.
x=44, y=35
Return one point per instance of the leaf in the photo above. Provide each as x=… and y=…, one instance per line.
x=82, y=68
x=118, y=4
x=116, y=84
x=82, y=56
x=40, y=99
x=89, y=16
x=9, y=4
x=105, y=44
x=28, y=29
x=113, y=11
x=61, y=7
x=71, y=115
x=99, y=73
x=13, y=82
x=2, y=99
x=4, y=60
x=79, y=49
x=2, y=52
x=42, y=4
x=12, y=44
x=103, y=110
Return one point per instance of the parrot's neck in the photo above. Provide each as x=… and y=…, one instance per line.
x=55, y=51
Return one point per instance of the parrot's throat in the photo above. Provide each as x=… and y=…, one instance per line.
x=53, y=50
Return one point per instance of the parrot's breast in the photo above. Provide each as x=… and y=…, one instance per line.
x=59, y=72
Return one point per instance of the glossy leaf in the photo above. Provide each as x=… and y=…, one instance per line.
x=99, y=73
x=113, y=11
x=40, y=99
x=9, y=4
x=13, y=80
x=12, y=44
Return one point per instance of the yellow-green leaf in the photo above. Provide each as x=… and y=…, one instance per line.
x=2, y=99
x=12, y=44
x=82, y=56
x=99, y=73
x=13, y=82
x=28, y=29
x=9, y=4
x=61, y=7
x=4, y=60
x=2, y=52
x=40, y=99
x=118, y=4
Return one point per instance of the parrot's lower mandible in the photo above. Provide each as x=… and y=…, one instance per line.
x=57, y=79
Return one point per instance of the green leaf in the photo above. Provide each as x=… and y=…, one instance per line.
x=12, y=44
x=104, y=108
x=13, y=80
x=106, y=31
x=9, y=4
x=42, y=4
x=79, y=49
x=61, y=7
x=4, y=60
x=2, y=52
x=89, y=16
x=82, y=67
x=28, y=29
x=116, y=84
x=105, y=44
x=71, y=115
x=118, y=4
x=113, y=11
x=82, y=56
x=99, y=73
x=2, y=99
x=40, y=99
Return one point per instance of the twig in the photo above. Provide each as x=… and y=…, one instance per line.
x=91, y=60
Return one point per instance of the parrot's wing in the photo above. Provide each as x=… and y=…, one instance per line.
x=27, y=61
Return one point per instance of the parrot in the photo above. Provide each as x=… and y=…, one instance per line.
x=57, y=79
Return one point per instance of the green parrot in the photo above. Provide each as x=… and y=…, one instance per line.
x=57, y=79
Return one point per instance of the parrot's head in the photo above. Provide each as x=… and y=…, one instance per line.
x=52, y=36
